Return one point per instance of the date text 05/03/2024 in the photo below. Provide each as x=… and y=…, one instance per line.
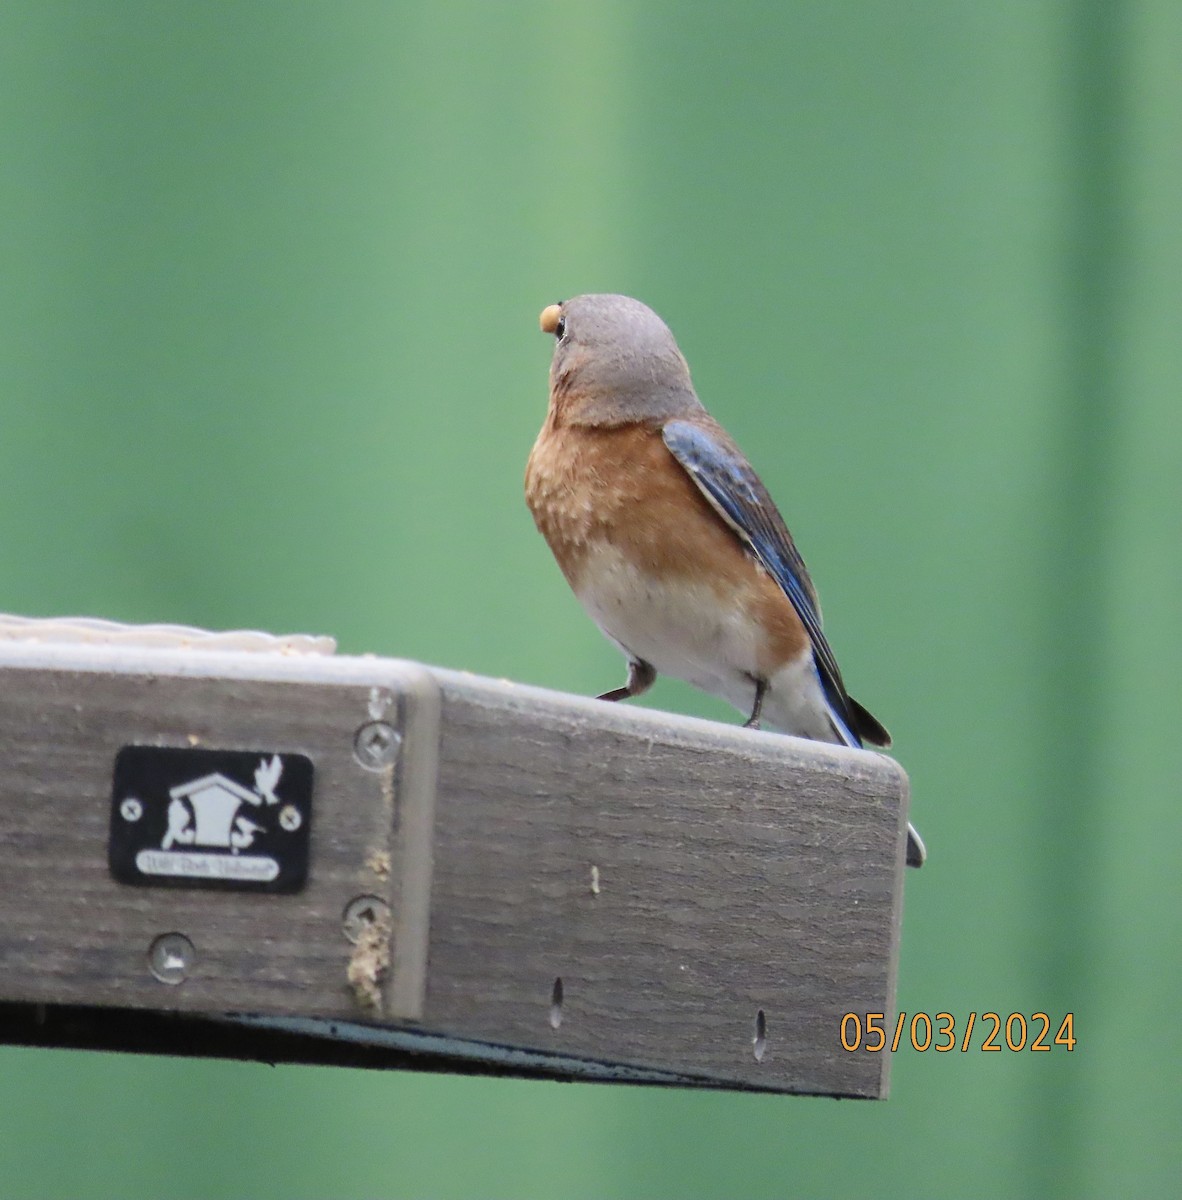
x=941, y=1032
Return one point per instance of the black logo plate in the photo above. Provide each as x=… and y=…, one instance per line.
x=236, y=819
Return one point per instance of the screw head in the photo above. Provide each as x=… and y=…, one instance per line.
x=171, y=957
x=361, y=913
x=376, y=745
x=131, y=809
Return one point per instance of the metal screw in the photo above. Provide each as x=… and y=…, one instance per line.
x=171, y=957
x=361, y=913
x=376, y=745
x=131, y=809
x=289, y=818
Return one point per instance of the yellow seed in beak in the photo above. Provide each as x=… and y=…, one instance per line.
x=549, y=318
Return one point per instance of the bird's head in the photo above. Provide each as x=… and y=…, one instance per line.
x=615, y=362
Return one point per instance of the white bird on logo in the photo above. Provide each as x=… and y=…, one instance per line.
x=266, y=777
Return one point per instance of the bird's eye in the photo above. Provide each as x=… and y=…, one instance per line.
x=560, y=328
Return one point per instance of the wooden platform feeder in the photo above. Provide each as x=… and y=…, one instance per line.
x=215, y=847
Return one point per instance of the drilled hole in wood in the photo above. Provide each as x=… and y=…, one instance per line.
x=759, y=1041
x=556, y=1004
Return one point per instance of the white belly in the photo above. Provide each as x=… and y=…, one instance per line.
x=688, y=631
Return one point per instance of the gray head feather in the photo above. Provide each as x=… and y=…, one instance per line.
x=618, y=362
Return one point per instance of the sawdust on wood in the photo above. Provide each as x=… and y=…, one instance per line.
x=369, y=964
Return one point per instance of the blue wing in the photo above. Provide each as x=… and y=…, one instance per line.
x=734, y=490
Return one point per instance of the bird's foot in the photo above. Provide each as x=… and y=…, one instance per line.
x=641, y=677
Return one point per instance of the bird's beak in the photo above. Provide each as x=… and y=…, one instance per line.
x=549, y=318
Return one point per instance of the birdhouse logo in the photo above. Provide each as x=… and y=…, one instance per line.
x=223, y=818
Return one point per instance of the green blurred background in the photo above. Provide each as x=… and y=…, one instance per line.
x=269, y=282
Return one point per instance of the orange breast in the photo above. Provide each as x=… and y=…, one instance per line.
x=588, y=487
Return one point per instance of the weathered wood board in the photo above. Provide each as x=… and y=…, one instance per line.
x=599, y=890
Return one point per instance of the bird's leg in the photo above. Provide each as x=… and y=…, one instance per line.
x=752, y=721
x=641, y=677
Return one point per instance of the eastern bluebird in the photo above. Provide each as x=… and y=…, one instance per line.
x=669, y=539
